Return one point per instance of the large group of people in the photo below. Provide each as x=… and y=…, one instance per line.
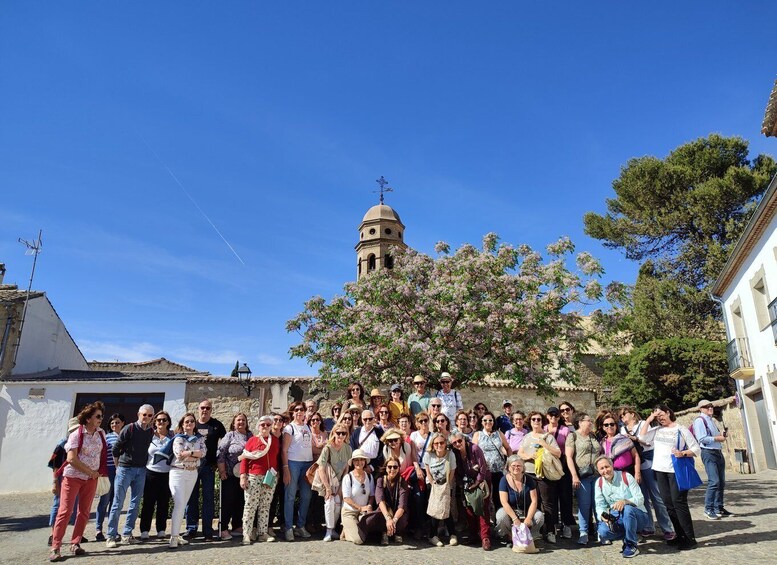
x=384, y=467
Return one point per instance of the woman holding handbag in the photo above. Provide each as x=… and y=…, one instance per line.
x=672, y=442
x=258, y=479
x=473, y=482
x=332, y=465
x=495, y=448
x=548, y=490
x=582, y=449
x=87, y=460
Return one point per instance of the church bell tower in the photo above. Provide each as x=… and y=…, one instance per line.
x=379, y=232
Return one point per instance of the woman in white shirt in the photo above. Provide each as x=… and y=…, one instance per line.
x=667, y=439
x=358, y=488
x=297, y=454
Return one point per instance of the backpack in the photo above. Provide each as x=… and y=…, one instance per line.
x=706, y=427
x=624, y=478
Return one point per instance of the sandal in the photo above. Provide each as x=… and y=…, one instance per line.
x=76, y=549
x=55, y=555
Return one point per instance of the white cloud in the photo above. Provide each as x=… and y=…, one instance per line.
x=266, y=359
x=111, y=351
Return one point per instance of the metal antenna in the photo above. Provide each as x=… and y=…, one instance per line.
x=382, y=182
x=33, y=248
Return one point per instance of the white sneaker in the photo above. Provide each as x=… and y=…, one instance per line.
x=143, y=536
x=161, y=535
x=453, y=541
x=289, y=535
x=264, y=538
x=111, y=543
x=173, y=542
x=329, y=534
x=434, y=540
x=182, y=541
x=566, y=532
x=301, y=532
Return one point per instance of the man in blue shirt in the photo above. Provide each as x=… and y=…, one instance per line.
x=711, y=439
x=418, y=401
x=504, y=422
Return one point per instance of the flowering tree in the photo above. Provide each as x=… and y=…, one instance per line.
x=501, y=311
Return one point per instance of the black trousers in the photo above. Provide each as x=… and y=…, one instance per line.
x=565, y=496
x=232, y=503
x=156, y=493
x=548, y=491
x=676, y=502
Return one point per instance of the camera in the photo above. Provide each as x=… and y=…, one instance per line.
x=607, y=517
x=467, y=481
x=440, y=481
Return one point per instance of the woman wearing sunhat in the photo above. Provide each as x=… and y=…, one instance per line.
x=358, y=488
x=377, y=399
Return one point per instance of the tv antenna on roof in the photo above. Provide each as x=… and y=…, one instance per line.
x=382, y=182
x=33, y=248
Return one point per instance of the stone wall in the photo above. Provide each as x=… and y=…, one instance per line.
x=727, y=412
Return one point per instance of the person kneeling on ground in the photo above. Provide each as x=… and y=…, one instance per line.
x=620, y=505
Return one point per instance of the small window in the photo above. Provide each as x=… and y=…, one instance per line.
x=372, y=231
x=360, y=269
x=362, y=235
x=388, y=231
x=388, y=261
x=371, y=262
x=399, y=234
x=761, y=299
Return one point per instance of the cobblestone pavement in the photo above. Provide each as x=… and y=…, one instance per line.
x=749, y=537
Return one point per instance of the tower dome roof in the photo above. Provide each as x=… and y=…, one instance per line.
x=381, y=212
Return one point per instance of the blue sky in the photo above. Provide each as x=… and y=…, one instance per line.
x=277, y=117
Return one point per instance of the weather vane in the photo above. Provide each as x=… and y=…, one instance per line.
x=382, y=182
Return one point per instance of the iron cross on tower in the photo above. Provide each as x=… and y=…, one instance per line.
x=382, y=182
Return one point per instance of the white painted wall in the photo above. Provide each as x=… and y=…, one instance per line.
x=31, y=428
x=45, y=342
x=763, y=350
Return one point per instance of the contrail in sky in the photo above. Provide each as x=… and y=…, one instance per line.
x=189, y=196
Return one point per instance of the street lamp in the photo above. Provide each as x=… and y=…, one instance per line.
x=244, y=378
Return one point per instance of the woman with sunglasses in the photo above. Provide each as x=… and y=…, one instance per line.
x=560, y=432
x=391, y=496
x=332, y=465
x=156, y=491
x=232, y=497
x=358, y=488
x=329, y=423
x=87, y=459
x=354, y=395
x=581, y=451
x=548, y=490
x=462, y=424
x=495, y=449
x=397, y=404
x=567, y=414
x=316, y=508
x=515, y=435
x=258, y=459
x=471, y=474
x=442, y=425
x=440, y=466
x=297, y=453
x=188, y=451
x=349, y=420
x=620, y=448
x=384, y=418
x=420, y=438
x=474, y=421
x=279, y=421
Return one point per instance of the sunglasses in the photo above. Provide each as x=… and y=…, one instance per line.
x=393, y=440
x=315, y=419
x=347, y=419
x=392, y=466
x=423, y=421
x=440, y=421
x=383, y=413
x=205, y=408
x=488, y=421
x=536, y=419
x=299, y=409
x=439, y=443
x=277, y=419
x=188, y=422
x=609, y=425
x=162, y=420
x=368, y=418
x=264, y=425
x=566, y=409
x=99, y=416
x=436, y=405
x=341, y=433
x=457, y=442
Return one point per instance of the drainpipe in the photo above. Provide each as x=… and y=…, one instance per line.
x=740, y=394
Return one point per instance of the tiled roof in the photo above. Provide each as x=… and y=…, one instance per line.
x=67, y=375
x=160, y=365
x=12, y=293
x=254, y=378
x=769, y=125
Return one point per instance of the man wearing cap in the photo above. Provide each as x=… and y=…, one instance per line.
x=451, y=398
x=711, y=441
x=419, y=400
x=504, y=422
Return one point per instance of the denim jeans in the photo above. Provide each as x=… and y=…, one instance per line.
x=649, y=488
x=585, y=502
x=715, y=466
x=630, y=521
x=104, y=502
x=297, y=470
x=132, y=479
x=206, y=476
x=55, y=508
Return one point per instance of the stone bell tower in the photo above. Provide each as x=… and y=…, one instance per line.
x=380, y=231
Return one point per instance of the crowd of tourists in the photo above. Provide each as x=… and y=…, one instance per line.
x=380, y=468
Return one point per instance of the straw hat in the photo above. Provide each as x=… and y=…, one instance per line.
x=358, y=454
x=393, y=433
x=376, y=392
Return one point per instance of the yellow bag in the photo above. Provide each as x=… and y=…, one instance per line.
x=538, y=463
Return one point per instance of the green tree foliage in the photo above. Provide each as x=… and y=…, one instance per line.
x=685, y=211
x=500, y=310
x=234, y=371
x=675, y=371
